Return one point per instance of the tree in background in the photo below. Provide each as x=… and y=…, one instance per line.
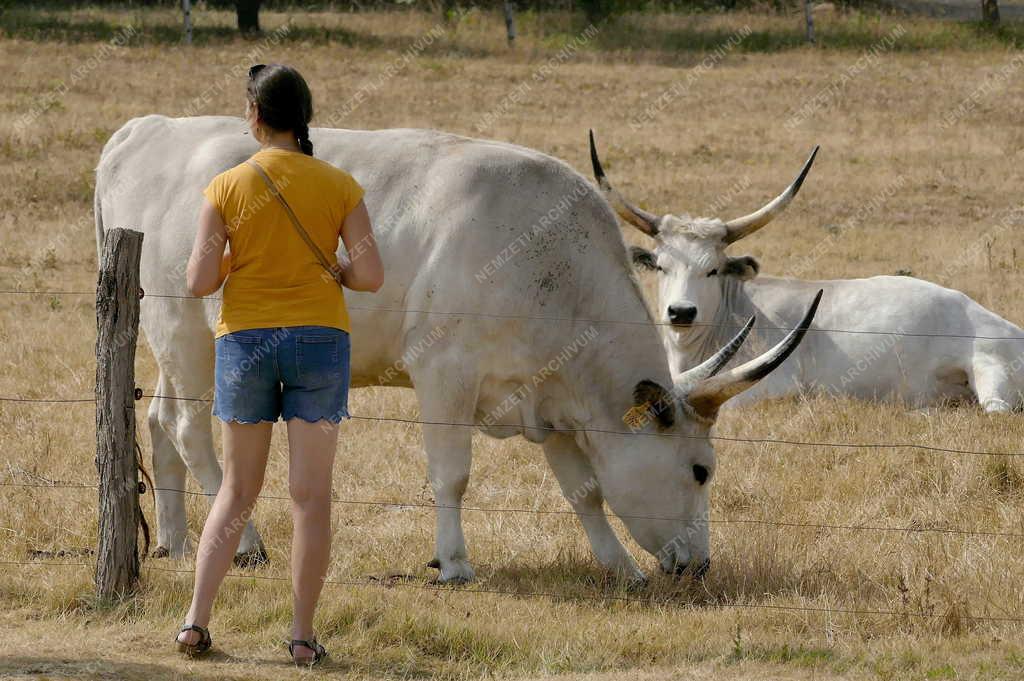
x=990, y=12
x=248, y=16
x=599, y=10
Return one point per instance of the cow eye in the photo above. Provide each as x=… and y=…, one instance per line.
x=713, y=272
x=700, y=473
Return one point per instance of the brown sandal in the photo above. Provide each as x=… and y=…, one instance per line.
x=194, y=649
x=319, y=653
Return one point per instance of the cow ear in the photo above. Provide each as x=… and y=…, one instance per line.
x=651, y=402
x=744, y=267
x=643, y=258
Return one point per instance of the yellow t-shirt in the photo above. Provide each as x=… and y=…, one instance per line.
x=275, y=280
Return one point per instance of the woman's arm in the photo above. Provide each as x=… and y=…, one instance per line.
x=209, y=263
x=364, y=271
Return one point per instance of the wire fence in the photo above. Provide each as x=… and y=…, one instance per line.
x=607, y=431
x=420, y=505
x=390, y=582
x=567, y=320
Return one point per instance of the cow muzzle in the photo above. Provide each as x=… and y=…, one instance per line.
x=695, y=568
x=681, y=315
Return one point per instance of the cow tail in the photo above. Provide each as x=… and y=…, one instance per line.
x=97, y=209
x=143, y=487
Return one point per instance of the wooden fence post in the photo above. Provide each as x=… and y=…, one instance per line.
x=117, y=322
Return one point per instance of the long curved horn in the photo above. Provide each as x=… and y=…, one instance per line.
x=748, y=224
x=711, y=393
x=638, y=217
x=712, y=365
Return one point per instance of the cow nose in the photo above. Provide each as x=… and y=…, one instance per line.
x=682, y=314
x=698, y=570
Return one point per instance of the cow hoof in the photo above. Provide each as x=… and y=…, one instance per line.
x=253, y=558
x=453, y=571
x=161, y=552
x=996, y=406
x=637, y=583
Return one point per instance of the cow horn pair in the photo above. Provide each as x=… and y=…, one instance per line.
x=707, y=390
x=649, y=224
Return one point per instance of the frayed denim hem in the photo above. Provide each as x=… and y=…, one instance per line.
x=234, y=419
x=335, y=418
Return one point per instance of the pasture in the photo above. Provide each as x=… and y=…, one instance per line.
x=825, y=559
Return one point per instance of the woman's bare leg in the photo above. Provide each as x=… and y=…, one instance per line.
x=246, y=446
x=311, y=449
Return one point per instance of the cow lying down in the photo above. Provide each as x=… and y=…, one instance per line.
x=946, y=347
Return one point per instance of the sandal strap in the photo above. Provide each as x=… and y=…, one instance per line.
x=318, y=650
x=202, y=631
x=205, y=640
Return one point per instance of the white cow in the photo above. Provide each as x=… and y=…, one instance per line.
x=948, y=348
x=491, y=252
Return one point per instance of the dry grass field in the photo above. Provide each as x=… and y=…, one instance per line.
x=896, y=187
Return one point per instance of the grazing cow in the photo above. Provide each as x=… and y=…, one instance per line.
x=497, y=259
x=947, y=347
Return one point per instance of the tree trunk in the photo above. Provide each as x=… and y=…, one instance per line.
x=117, y=328
x=248, y=16
x=510, y=22
x=990, y=12
x=447, y=9
x=809, y=18
x=186, y=10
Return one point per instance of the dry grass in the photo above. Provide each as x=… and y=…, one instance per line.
x=725, y=132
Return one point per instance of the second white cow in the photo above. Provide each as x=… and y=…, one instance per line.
x=884, y=337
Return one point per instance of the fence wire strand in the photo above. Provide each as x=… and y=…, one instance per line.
x=568, y=320
x=419, y=505
x=606, y=431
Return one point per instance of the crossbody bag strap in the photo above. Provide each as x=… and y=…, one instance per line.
x=324, y=262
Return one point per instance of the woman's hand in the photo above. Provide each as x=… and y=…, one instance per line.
x=209, y=263
x=364, y=270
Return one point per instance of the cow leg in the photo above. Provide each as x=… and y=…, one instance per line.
x=189, y=424
x=991, y=383
x=168, y=475
x=449, y=452
x=579, y=484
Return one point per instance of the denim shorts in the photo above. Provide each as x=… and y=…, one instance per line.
x=288, y=372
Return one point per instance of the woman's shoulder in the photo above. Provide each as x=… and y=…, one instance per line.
x=334, y=172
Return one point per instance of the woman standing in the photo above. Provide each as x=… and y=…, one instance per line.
x=282, y=342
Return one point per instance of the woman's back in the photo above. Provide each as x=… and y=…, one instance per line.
x=275, y=279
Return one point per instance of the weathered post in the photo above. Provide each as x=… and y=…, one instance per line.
x=117, y=323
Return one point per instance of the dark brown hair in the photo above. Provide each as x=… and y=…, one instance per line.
x=283, y=100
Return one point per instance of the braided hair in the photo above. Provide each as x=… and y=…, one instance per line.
x=283, y=99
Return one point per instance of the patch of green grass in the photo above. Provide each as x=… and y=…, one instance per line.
x=857, y=32
x=946, y=671
x=665, y=35
x=785, y=654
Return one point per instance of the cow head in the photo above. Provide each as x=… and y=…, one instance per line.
x=690, y=258
x=661, y=489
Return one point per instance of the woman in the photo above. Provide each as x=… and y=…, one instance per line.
x=282, y=343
